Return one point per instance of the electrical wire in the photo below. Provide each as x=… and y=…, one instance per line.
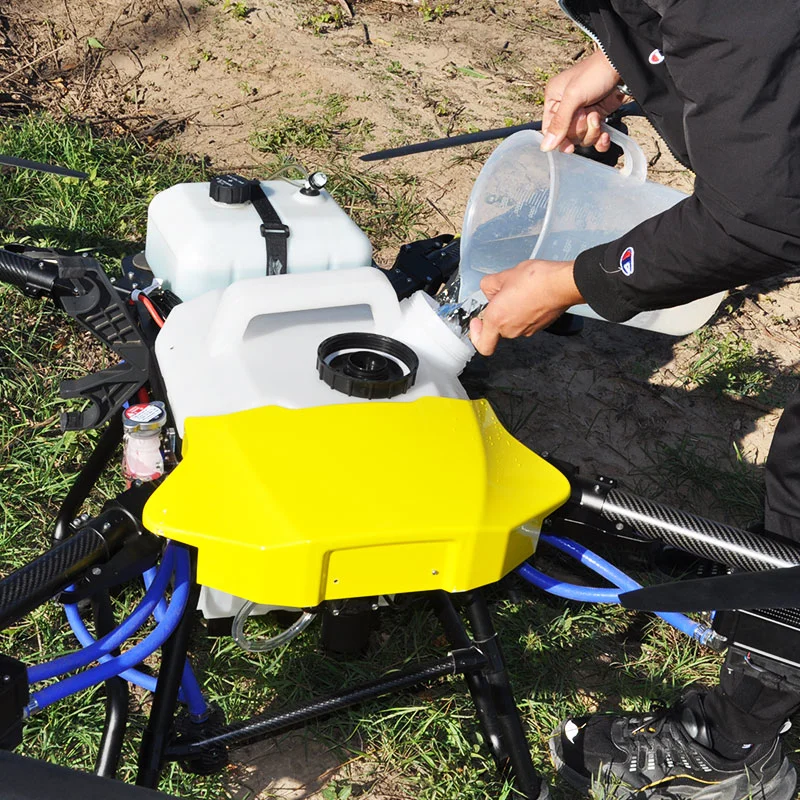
x=151, y=309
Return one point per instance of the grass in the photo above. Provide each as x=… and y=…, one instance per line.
x=107, y=211
x=730, y=365
x=324, y=21
x=691, y=469
x=384, y=204
x=563, y=657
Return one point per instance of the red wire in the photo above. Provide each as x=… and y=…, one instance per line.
x=145, y=300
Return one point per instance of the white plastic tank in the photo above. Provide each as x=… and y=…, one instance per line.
x=552, y=206
x=255, y=343
x=196, y=244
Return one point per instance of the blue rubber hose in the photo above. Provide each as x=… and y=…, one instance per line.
x=623, y=582
x=190, y=691
x=82, y=634
x=113, y=666
x=101, y=647
x=569, y=591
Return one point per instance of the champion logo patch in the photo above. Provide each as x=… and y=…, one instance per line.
x=571, y=731
x=656, y=57
x=626, y=261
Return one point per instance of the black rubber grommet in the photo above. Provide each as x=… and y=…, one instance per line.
x=367, y=365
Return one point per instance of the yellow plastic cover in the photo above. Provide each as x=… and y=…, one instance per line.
x=296, y=506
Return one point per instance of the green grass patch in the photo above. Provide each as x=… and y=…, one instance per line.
x=691, y=470
x=108, y=211
x=322, y=22
x=730, y=364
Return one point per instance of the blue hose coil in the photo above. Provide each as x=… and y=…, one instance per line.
x=94, y=650
x=111, y=666
x=589, y=594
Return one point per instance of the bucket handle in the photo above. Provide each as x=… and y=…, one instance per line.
x=635, y=165
x=245, y=300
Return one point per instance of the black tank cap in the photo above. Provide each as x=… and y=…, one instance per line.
x=367, y=365
x=231, y=189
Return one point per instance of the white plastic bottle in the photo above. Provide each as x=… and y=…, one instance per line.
x=142, y=458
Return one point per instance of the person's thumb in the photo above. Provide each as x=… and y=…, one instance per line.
x=561, y=121
x=484, y=337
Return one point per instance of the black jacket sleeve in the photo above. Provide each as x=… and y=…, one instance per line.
x=736, y=66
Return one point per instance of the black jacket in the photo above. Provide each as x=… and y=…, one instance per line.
x=726, y=99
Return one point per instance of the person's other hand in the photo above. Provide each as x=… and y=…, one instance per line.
x=576, y=101
x=523, y=300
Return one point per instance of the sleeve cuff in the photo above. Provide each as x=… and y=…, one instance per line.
x=599, y=288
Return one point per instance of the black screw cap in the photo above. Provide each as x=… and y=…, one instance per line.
x=367, y=365
x=231, y=189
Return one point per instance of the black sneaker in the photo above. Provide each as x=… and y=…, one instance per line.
x=658, y=756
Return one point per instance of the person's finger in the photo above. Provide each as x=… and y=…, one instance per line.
x=492, y=284
x=484, y=336
x=593, y=129
x=550, y=108
x=603, y=143
x=562, y=119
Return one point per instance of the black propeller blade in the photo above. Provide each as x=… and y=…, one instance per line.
x=631, y=109
x=451, y=141
x=774, y=588
x=23, y=163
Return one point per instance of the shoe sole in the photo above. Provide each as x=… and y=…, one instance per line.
x=780, y=787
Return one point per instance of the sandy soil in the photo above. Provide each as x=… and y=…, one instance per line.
x=207, y=75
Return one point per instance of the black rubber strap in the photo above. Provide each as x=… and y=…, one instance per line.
x=273, y=230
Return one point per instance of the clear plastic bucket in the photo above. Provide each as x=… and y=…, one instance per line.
x=552, y=206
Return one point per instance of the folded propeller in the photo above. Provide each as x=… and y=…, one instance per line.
x=23, y=163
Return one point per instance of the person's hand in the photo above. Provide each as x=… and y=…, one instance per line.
x=523, y=300
x=576, y=101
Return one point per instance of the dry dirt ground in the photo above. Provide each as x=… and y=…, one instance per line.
x=208, y=73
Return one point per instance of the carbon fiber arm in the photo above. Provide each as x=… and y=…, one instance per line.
x=33, y=276
x=600, y=502
x=703, y=537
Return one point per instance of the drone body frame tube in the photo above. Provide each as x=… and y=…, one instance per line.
x=704, y=538
x=32, y=276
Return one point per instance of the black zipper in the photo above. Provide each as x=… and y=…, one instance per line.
x=582, y=23
x=584, y=26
